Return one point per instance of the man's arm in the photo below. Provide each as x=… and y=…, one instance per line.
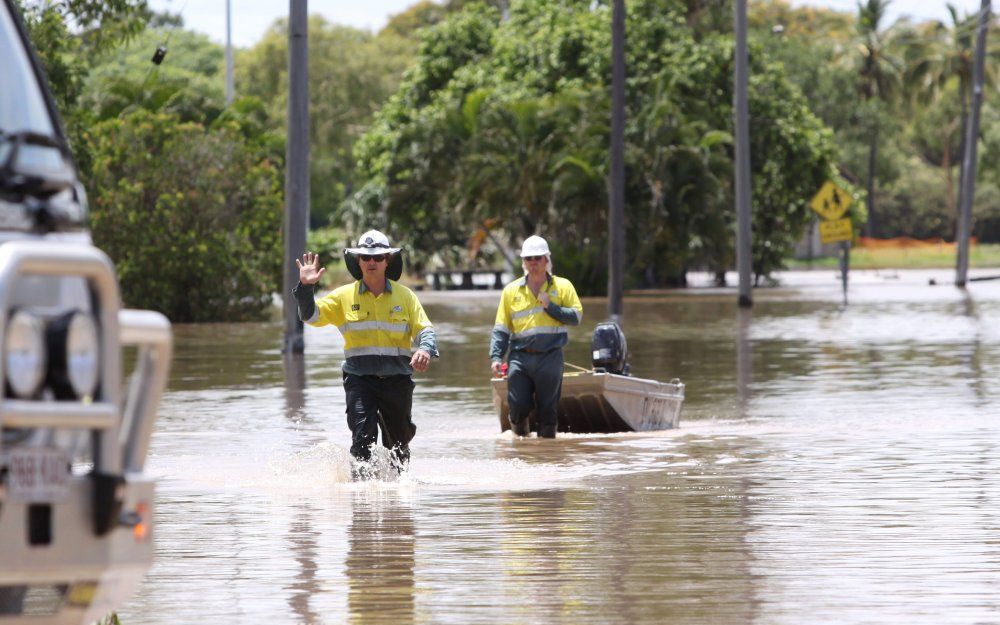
x=425, y=338
x=427, y=349
x=499, y=341
x=307, y=305
x=564, y=314
x=570, y=315
x=500, y=336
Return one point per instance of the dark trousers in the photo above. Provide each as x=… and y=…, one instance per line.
x=374, y=404
x=534, y=381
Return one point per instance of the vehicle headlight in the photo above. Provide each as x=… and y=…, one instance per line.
x=75, y=349
x=24, y=354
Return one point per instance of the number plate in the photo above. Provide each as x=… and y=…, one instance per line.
x=38, y=474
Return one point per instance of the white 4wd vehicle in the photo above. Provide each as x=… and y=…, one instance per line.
x=76, y=511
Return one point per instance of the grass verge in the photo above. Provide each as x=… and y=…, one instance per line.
x=929, y=257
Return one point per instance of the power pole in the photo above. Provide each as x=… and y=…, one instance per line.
x=741, y=114
x=616, y=216
x=229, y=53
x=969, y=154
x=296, y=166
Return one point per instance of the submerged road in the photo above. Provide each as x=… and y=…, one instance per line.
x=833, y=465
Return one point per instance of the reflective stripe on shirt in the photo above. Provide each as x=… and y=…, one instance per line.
x=540, y=330
x=526, y=313
x=376, y=351
x=359, y=326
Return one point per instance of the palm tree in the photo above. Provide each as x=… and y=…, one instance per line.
x=879, y=72
x=941, y=61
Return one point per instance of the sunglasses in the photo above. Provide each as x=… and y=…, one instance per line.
x=376, y=257
x=533, y=258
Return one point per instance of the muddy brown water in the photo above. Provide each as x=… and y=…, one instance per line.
x=833, y=465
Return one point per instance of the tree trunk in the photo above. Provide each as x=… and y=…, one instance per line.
x=963, y=89
x=872, y=157
x=949, y=179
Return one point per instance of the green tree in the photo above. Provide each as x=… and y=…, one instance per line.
x=507, y=119
x=986, y=209
x=190, y=216
x=940, y=66
x=408, y=23
x=188, y=82
x=880, y=70
x=822, y=26
x=351, y=73
x=97, y=26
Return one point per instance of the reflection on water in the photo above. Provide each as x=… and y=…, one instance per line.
x=295, y=385
x=380, y=561
x=744, y=360
x=833, y=465
x=303, y=539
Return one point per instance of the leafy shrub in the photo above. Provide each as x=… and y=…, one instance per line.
x=192, y=217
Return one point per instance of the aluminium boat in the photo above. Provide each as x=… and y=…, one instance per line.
x=601, y=402
x=606, y=399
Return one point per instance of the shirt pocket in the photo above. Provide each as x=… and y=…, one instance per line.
x=352, y=318
x=521, y=304
x=555, y=297
x=399, y=321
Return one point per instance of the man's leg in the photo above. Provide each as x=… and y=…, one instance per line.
x=548, y=388
x=520, y=394
x=395, y=402
x=362, y=415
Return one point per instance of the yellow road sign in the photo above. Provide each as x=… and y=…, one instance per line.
x=831, y=202
x=835, y=230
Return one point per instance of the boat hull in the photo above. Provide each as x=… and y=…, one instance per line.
x=604, y=402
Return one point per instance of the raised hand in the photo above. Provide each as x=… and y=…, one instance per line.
x=309, y=269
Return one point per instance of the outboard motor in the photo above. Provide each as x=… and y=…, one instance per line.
x=608, y=350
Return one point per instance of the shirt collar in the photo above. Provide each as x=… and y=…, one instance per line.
x=363, y=288
x=548, y=279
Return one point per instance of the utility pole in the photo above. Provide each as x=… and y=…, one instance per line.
x=969, y=154
x=229, y=53
x=296, y=166
x=741, y=114
x=616, y=214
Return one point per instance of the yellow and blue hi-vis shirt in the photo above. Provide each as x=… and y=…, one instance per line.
x=523, y=324
x=378, y=331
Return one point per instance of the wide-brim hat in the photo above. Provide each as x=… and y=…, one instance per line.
x=372, y=242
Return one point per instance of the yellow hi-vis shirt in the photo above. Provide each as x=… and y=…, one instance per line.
x=523, y=324
x=378, y=331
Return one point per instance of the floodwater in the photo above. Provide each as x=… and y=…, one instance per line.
x=833, y=465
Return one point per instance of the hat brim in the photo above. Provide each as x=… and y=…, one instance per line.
x=393, y=271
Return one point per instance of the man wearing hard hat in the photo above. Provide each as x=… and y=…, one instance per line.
x=532, y=321
x=380, y=319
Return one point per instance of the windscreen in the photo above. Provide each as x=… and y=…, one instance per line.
x=22, y=105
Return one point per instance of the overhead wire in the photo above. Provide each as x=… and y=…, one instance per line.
x=160, y=54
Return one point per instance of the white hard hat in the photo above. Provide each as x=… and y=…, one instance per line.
x=373, y=242
x=534, y=246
